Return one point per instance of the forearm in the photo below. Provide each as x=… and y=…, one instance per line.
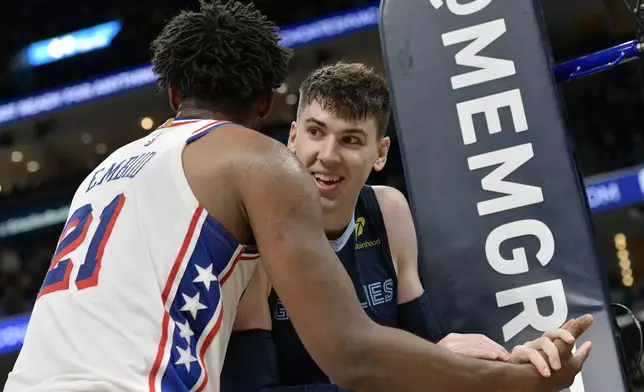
x=394, y=360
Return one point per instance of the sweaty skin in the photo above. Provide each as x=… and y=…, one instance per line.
x=278, y=205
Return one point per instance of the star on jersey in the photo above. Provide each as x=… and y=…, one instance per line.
x=205, y=276
x=186, y=332
x=192, y=305
x=185, y=357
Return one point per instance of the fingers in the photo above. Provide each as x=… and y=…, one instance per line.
x=582, y=353
x=482, y=343
x=576, y=327
x=524, y=354
x=567, y=324
x=580, y=325
x=562, y=334
x=550, y=350
x=493, y=346
x=482, y=353
x=475, y=345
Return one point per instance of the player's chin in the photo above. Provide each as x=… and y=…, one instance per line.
x=329, y=204
x=336, y=201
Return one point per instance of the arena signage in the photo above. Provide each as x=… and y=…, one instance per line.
x=72, y=44
x=33, y=221
x=503, y=225
x=12, y=333
x=300, y=34
x=615, y=190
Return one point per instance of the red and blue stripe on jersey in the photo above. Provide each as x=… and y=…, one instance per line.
x=192, y=295
x=201, y=131
x=193, y=306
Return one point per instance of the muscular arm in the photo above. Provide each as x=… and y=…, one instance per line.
x=283, y=209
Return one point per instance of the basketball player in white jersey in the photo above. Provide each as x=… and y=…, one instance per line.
x=142, y=290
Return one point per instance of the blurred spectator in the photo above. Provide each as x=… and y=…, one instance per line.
x=22, y=269
x=9, y=261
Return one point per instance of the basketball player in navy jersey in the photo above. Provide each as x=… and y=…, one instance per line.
x=340, y=137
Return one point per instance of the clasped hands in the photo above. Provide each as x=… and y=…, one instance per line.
x=542, y=352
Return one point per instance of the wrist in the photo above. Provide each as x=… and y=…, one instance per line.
x=514, y=377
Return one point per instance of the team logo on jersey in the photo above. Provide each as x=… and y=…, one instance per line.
x=153, y=139
x=167, y=124
x=368, y=244
x=360, y=222
x=155, y=135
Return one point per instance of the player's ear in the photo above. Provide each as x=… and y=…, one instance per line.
x=383, y=151
x=291, y=136
x=174, y=97
x=265, y=104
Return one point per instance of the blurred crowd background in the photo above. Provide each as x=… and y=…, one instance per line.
x=59, y=119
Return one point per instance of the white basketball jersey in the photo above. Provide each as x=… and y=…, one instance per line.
x=143, y=288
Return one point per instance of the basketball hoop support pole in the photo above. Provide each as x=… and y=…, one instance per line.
x=598, y=61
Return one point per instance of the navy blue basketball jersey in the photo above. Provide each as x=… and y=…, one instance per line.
x=364, y=251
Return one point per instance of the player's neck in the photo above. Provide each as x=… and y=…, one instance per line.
x=335, y=223
x=194, y=110
x=337, y=220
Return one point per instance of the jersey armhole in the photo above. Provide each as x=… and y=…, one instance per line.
x=372, y=207
x=180, y=182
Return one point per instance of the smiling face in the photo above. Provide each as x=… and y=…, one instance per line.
x=339, y=134
x=339, y=153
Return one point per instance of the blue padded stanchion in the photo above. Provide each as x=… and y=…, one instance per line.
x=506, y=244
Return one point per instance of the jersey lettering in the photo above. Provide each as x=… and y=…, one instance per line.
x=127, y=168
x=73, y=236
x=376, y=293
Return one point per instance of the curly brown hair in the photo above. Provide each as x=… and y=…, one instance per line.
x=226, y=53
x=352, y=91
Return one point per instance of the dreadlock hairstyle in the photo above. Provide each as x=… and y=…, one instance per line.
x=226, y=54
x=351, y=91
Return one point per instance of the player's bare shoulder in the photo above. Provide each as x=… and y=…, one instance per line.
x=233, y=151
x=392, y=202
x=232, y=164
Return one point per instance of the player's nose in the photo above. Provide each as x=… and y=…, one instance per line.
x=329, y=153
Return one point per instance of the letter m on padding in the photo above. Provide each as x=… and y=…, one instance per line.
x=518, y=195
x=489, y=68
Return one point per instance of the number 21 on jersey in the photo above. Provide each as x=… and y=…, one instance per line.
x=74, y=234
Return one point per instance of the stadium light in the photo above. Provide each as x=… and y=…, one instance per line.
x=624, y=260
x=147, y=123
x=72, y=44
x=33, y=166
x=16, y=156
